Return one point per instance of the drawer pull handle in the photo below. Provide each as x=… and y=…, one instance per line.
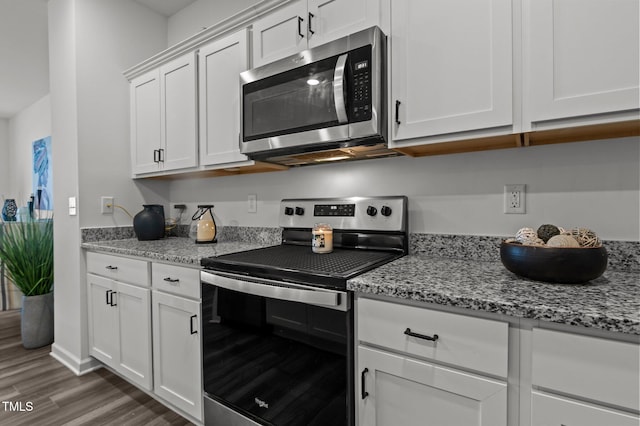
x=300, y=21
x=433, y=338
x=106, y=294
x=363, y=392
x=172, y=280
x=398, y=113
x=191, y=318
x=111, y=302
x=111, y=268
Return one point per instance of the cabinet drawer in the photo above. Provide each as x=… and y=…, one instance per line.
x=176, y=279
x=473, y=343
x=551, y=410
x=589, y=367
x=118, y=268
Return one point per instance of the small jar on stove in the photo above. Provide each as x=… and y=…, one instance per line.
x=322, y=239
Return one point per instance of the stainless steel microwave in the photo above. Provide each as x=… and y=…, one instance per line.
x=329, y=99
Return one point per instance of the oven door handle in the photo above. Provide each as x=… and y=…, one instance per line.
x=320, y=297
x=338, y=89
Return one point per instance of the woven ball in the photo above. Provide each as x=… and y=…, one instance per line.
x=585, y=237
x=547, y=231
x=535, y=241
x=526, y=234
x=562, y=241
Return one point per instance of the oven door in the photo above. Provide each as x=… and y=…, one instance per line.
x=276, y=354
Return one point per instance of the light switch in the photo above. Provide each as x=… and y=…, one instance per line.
x=72, y=206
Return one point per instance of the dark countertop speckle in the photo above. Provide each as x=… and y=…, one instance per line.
x=610, y=302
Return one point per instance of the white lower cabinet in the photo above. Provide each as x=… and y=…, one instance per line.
x=120, y=326
x=577, y=380
x=414, y=367
x=397, y=390
x=177, y=349
x=549, y=410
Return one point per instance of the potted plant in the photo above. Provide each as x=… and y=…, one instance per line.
x=26, y=248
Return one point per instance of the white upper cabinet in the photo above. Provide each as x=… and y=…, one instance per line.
x=178, y=113
x=303, y=24
x=451, y=68
x=331, y=19
x=220, y=64
x=163, y=117
x=582, y=59
x=145, y=122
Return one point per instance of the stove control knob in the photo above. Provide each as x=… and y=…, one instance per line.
x=288, y=211
x=385, y=211
x=299, y=211
x=372, y=211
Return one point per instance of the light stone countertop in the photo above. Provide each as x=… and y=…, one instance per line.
x=171, y=249
x=610, y=302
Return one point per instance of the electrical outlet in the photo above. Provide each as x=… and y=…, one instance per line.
x=106, y=205
x=514, y=199
x=252, y=203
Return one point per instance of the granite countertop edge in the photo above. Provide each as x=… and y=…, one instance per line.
x=610, y=302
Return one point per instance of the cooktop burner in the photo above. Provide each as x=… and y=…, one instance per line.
x=341, y=263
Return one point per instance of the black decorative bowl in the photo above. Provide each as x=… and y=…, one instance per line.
x=566, y=265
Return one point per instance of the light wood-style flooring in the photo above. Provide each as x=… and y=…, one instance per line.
x=31, y=377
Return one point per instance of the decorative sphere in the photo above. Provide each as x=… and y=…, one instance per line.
x=562, y=241
x=585, y=237
x=547, y=231
x=526, y=234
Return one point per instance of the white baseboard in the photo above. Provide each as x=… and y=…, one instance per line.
x=73, y=363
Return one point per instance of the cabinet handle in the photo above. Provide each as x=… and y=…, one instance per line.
x=172, y=280
x=311, y=15
x=111, y=268
x=156, y=155
x=161, y=155
x=191, y=318
x=300, y=21
x=106, y=296
x=398, y=112
x=111, y=302
x=363, y=392
x=433, y=338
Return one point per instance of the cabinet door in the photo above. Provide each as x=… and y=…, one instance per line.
x=177, y=359
x=402, y=391
x=178, y=113
x=220, y=63
x=145, y=122
x=331, y=19
x=547, y=410
x=134, y=329
x=279, y=34
x=583, y=57
x=103, y=329
x=451, y=66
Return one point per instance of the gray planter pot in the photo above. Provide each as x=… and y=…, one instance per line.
x=37, y=320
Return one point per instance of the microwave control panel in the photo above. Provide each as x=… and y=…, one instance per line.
x=360, y=94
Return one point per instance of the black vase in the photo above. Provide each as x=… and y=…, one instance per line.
x=148, y=224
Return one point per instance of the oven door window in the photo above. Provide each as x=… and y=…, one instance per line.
x=276, y=362
x=293, y=101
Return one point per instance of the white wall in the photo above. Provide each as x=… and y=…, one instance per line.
x=29, y=125
x=589, y=184
x=201, y=14
x=4, y=159
x=90, y=43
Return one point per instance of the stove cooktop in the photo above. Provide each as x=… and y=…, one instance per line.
x=300, y=264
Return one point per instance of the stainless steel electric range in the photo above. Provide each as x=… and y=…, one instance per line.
x=277, y=322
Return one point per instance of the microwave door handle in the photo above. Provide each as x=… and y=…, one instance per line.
x=338, y=89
